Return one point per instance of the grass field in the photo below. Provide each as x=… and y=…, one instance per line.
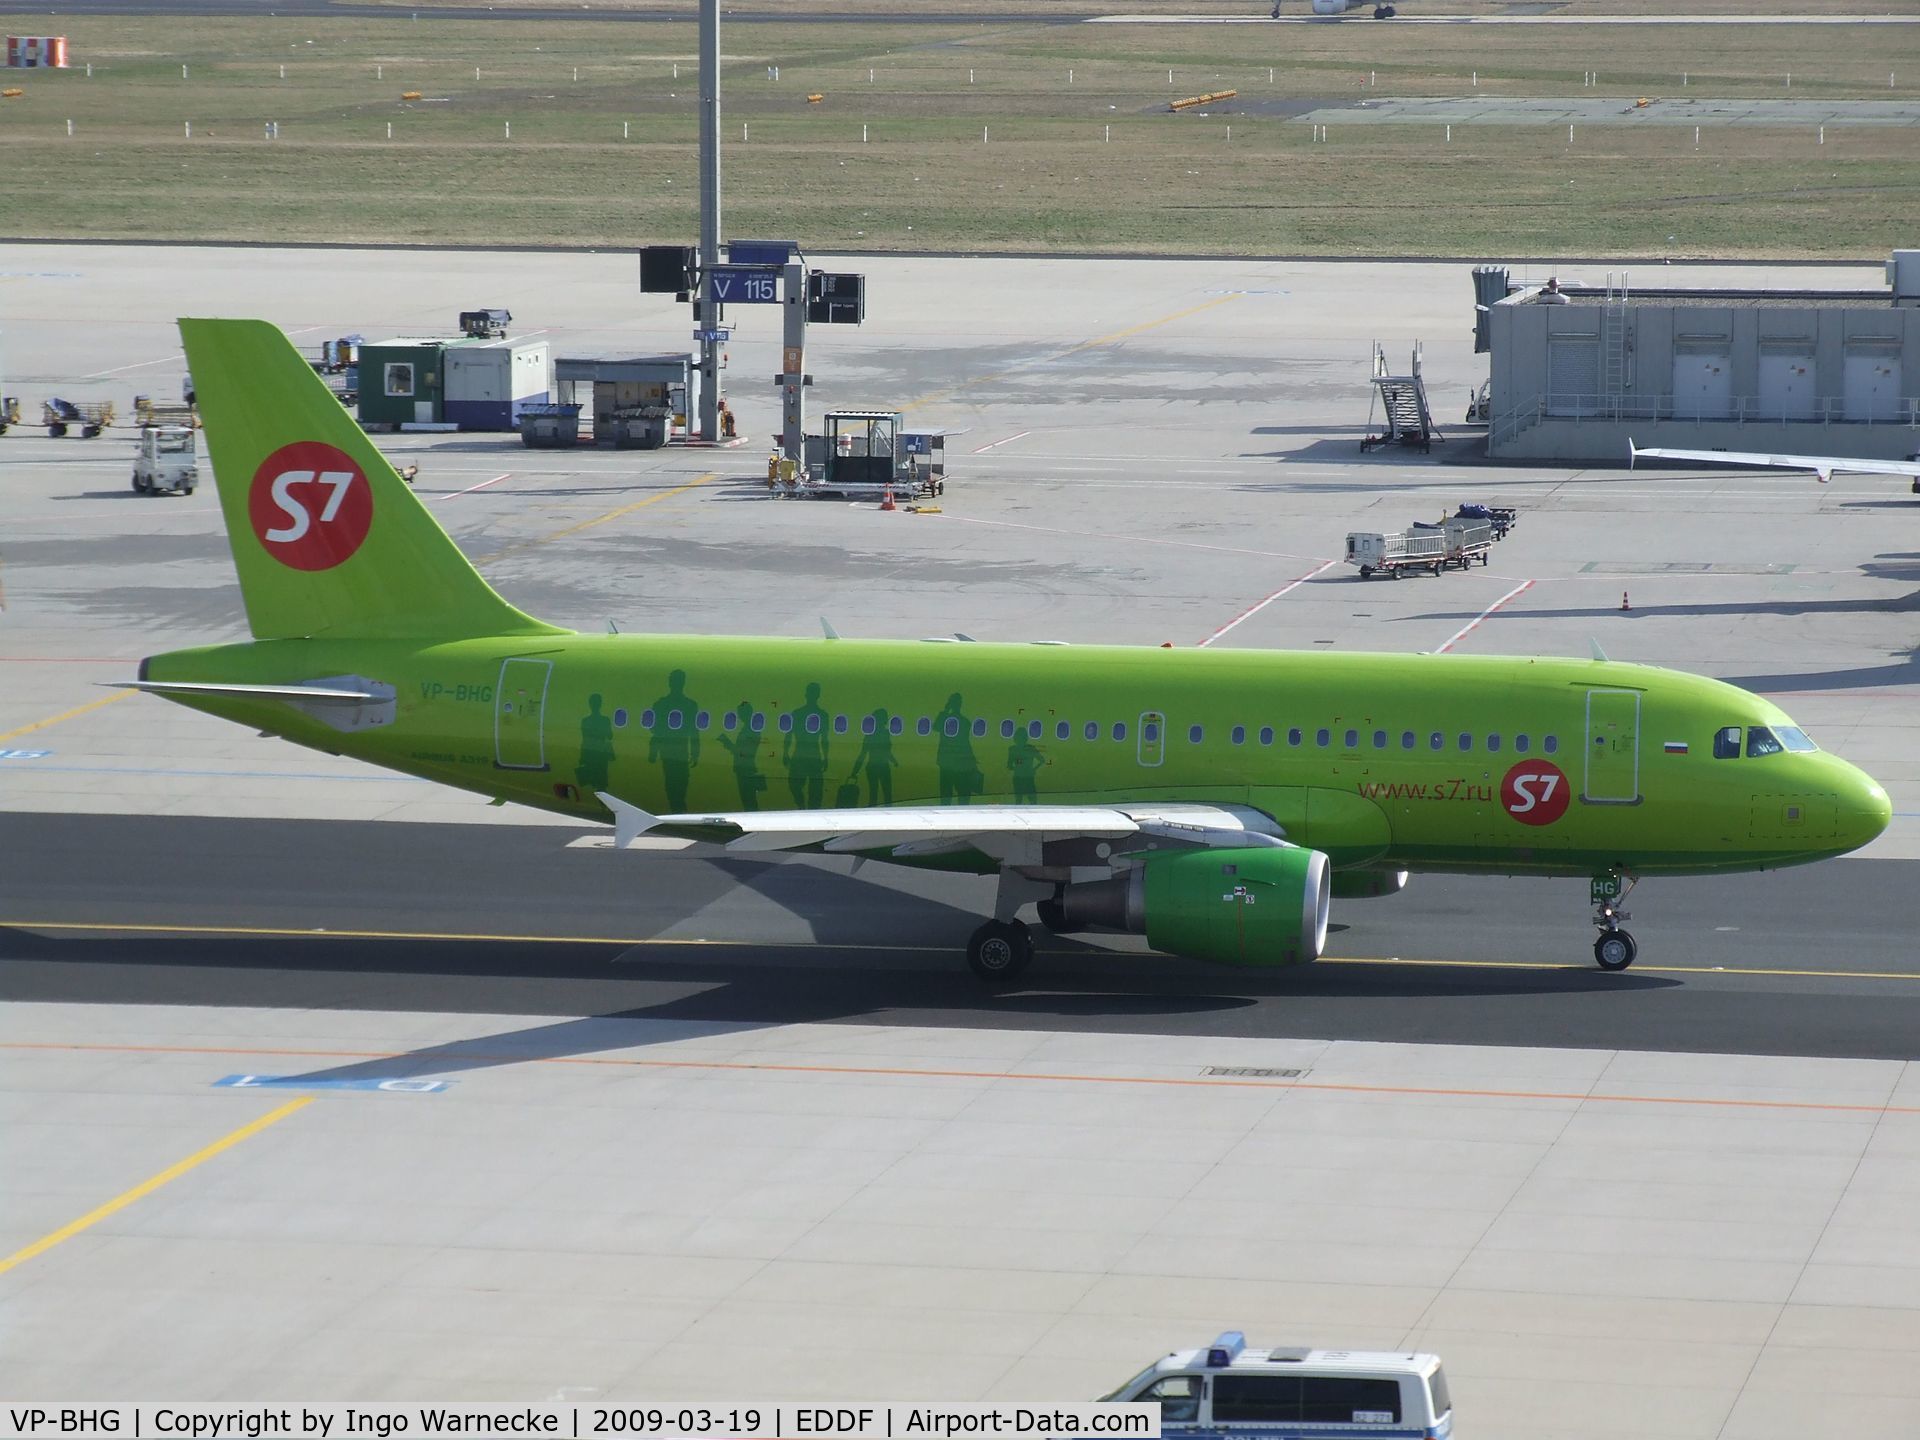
x=1080, y=153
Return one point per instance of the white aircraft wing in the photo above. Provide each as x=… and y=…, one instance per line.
x=996, y=830
x=1823, y=466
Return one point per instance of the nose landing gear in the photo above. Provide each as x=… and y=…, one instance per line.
x=1614, y=948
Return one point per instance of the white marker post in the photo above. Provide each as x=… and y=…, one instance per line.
x=283, y=72
x=379, y=72
x=183, y=72
x=189, y=125
x=1109, y=134
x=389, y=129
x=509, y=128
x=69, y=129
x=863, y=134
x=1449, y=134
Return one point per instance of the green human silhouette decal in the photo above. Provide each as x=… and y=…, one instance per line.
x=675, y=743
x=960, y=777
x=1024, y=759
x=744, y=745
x=876, y=757
x=596, y=747
x=804, y=752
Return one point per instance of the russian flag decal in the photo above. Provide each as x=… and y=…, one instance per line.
x=1676, y=747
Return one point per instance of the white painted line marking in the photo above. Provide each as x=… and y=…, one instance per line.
x=170, y=359
x=998, y=443
x=1254, y=610
x=471, y=488
x=1473, y=624
x=953, y=519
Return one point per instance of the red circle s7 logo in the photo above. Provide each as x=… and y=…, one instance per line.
x=310, y=505
x=1534, y=792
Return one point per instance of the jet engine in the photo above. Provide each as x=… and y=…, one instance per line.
x=1233, y=907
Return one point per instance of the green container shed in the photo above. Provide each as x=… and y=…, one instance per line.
x=403, y=382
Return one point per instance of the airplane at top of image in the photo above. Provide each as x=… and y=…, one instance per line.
x=1217, y=801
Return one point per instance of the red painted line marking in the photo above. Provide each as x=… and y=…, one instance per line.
x=66, y=660
x=1474, y=624
x=1253, y=610
x=998, y=443
x=481, y=486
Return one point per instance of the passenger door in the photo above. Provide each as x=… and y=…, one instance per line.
x=1153, y=739
x=1613, y=748
x=519, y=712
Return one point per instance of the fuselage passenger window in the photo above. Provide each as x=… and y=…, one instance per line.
x=1149, y=732
x=1194, y=735
x=1407, y=739
x=1266, y=735
x=868, y=725
x=1436, y=741
x=1239, y=734
x=1550, y=744
x=1293, y=737
x=1493, y=742
x=813, y=724
x=1521, y=744
x=786, y=724
x=728, y=721
x=1353, y=740
x=1726, y=743
x=1033, y=729
x=1092, y=731
x=1119, y=729
x=1379, y=739
x=952, y=727
x=1466, y=741
x=897, y=725
x=646, y=719
x=980, y=729
x=759, y=721
x=1006, y=729
x=1323, y=738
x=839, y=724
x=620, y=719
x=673, y=719
x=1063, y=731
x=701, y=720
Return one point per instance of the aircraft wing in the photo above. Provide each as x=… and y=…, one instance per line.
x=1002, y=832
x=1823, y=466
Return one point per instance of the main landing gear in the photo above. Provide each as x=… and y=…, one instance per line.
x=1614, y=948
x=999, y=951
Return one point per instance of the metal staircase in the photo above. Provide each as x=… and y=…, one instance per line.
x=1403, y=399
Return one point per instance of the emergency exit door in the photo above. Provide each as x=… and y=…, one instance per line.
x=1613, y=748
x=519, y=712
x=1152, y=741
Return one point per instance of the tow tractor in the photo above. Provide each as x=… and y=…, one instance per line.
x=168, y=460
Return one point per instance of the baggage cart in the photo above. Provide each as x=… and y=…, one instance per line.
x=59, y=416
x=1409, y=550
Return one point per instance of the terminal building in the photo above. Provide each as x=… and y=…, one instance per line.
x=1576, y=372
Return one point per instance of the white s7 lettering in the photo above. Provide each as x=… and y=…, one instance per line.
x=341, y=481
x=295, y=511
x=1527, y=799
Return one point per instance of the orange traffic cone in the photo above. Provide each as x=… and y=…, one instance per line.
x=1623, y=601
x=886, y=501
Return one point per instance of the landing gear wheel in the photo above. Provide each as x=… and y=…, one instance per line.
x=1615, y=950
x=999, y=950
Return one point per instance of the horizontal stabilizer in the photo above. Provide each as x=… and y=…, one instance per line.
x=312, y=694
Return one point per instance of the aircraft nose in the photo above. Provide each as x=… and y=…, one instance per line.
x=1866, y=813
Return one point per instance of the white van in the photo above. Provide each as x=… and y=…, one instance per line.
x=1225, y=1391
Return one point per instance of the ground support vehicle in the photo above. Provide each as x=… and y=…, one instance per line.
x=1502, y=517
x=1408, y=550
x=9, y=412
x=1467, y=541
x=1225, y=1391
x=168, y=460
x=59, y=416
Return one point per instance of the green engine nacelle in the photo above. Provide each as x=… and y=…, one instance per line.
x=1238, y=907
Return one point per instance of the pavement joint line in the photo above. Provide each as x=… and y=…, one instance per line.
x=611, y=515
x=64, y=715
x=152, y=1183
x=1128, y=539
x=288, y=932
x=1111, y=338
x=913, y=1072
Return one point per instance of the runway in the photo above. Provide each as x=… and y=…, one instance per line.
x=474, y=919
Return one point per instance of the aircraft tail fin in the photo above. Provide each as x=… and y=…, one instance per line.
x=327, y=538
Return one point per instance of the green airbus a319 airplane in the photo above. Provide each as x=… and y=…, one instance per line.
x=1215, y=800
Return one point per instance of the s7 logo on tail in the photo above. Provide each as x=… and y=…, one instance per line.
x=310, y=505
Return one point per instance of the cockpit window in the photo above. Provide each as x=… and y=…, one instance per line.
x=1761, y=741
x=1794, y=738
x=1726, y=743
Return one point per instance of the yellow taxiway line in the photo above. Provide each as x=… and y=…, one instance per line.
x=150, y=1184
x=605, y=519
x=288, y=932
x=75, y=713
